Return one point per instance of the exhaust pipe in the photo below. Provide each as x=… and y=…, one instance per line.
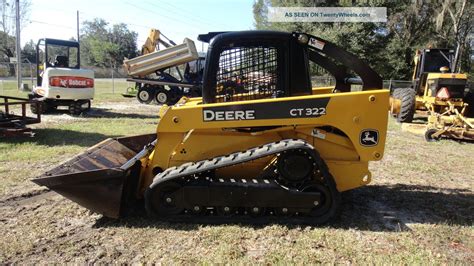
x=104, y=177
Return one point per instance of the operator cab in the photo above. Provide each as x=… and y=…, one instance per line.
x=434, y=69
x=433, y=60
x=253, y=65
x=194, y=70
x=56, y=53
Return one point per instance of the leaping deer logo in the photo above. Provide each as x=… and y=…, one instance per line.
x=369, y=138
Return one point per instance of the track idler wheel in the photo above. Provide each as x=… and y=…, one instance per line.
x=328, y=205
x=161, y=201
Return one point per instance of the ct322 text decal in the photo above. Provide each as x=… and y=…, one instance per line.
x=274, y=110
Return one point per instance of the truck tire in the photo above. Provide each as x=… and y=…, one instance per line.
x=145, y=95
x=407, y=97
x=429, y=135
x=162, y=96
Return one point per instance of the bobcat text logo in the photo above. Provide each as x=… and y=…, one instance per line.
x=209, y=115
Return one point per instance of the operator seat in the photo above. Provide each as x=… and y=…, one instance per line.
x=61, y=61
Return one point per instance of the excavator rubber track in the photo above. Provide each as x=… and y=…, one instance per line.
x=193, y=189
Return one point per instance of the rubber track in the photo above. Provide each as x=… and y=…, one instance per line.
x=188, y=170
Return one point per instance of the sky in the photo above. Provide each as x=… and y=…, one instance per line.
x=176, y=19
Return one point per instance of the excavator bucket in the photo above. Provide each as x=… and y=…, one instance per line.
x=97, y=179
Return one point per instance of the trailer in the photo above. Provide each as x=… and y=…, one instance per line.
x=13, y=116
x=164, y=76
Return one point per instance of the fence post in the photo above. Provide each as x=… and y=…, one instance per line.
x=31, y=75
x=113, y=83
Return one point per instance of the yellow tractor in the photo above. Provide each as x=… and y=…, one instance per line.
x=261, y=141
x=440, y=93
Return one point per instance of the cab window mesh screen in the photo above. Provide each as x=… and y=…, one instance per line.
x=247, y=73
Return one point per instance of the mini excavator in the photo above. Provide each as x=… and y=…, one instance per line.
x=261, y=141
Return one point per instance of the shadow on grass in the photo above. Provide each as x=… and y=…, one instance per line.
x=371, y=208
x=103, y=113
x=107, y=113
x=394, y=208
x=421, y=120
x=59, y=137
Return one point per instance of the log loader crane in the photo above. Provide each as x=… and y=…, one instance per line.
x=439, y=91
x=261, y=141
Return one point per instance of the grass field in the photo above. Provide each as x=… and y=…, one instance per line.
x=418, y=209
x=104, y=89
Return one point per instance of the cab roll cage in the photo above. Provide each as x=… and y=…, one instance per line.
x=329, y=56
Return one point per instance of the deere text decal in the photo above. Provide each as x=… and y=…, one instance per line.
x=274, y=110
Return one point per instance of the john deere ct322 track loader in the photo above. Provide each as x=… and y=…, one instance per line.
x=260, y=142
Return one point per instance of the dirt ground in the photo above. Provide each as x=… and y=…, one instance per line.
x=418, y=209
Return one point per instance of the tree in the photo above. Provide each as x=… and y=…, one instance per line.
x=367, y=40
x=7, y=47
x=388, y=47
x=106, y=46
x=104, y=53
x=409, y=28
x=7, y=28
x=29, y=52
x=8, y=15
x=454, y=23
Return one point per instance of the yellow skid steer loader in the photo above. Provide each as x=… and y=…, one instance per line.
x=260, y=142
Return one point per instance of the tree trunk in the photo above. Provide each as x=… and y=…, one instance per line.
x=11, y=67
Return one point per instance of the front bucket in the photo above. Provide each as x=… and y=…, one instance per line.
x=97, y=178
